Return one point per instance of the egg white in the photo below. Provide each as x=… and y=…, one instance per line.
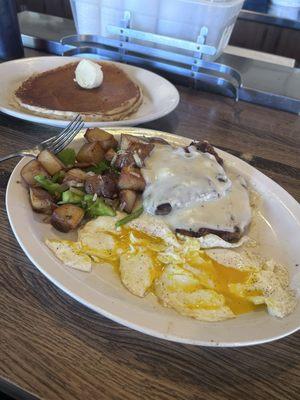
x=148, y=256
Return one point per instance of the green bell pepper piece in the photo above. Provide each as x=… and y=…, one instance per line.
x=69, y=197
x=58, y=177
x=67, y=157
x=98, y=207
x=129, y=217
x=53, y=188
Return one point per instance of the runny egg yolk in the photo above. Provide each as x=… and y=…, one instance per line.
x=129, y=240
x=222, y=278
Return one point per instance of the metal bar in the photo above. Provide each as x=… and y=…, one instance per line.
x=91, y=39
x=101, y=52
x=134, y=47
x=49, y=46
x=125, y=23
x=198, y=55
x=159, y=39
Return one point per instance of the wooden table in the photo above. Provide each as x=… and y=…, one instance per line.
x=55, y=348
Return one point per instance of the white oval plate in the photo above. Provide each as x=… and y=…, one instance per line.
x=277, y=230
x=160, y=97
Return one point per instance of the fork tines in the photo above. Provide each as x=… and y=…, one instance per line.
x=67, y=135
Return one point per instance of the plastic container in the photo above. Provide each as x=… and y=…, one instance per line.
x=286, y=3
x=181, y=19
x=286, y=11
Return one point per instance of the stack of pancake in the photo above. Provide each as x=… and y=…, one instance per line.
x=55, y=94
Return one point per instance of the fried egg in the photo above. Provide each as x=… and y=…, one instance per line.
x=208, y=285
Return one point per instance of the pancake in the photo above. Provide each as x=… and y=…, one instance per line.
x=54, y=93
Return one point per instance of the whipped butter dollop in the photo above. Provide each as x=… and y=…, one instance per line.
x=201, y=193
x=88, y=74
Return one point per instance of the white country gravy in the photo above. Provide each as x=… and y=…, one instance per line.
x=201, y=193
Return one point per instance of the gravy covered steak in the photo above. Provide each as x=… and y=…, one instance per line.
x=63, y=92
x=190, y=189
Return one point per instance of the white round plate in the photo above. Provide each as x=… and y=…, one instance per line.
x=160, y=97
x=276, y=229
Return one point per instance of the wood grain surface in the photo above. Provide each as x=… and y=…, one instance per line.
x=55, y=348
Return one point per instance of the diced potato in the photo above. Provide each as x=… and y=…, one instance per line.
x=103, y=185
x=127, y=199
x=91, y=153
x=110, y=155
x=30, y=170
x=131, y=178
x=67, y=217
x=41, y=201
x=124, y=159
x=127, y=140
x=106, y=140
x=133, y=151
x=110, y=185
x=83, y=164
x=96, y=134
x=50, y=162
x=75, y=175
x=140, y=151
x=93, y=184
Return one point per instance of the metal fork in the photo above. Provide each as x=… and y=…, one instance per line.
x=55, y=144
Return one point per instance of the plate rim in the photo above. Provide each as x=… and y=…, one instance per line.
x=294, y=207
x=27, y=116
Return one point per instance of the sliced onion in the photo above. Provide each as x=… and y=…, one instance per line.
x=74, y=184
x=137, y=160
x=113, y=159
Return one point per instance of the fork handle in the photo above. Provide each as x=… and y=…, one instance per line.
x=12, y=155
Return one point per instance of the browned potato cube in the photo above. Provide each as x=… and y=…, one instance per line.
x=75, y=175
x=91, y=153
x=140, y=151
x=103, y=185
x=131, y=178
x=110, y=155
x=127, y=140
x=41, y=201
x=50, y=162
x=124, y=159
x=30, y=170
x=67, y=217
x=134, y=152
x=81, y=165
x=127, y=199
x=106, y=140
